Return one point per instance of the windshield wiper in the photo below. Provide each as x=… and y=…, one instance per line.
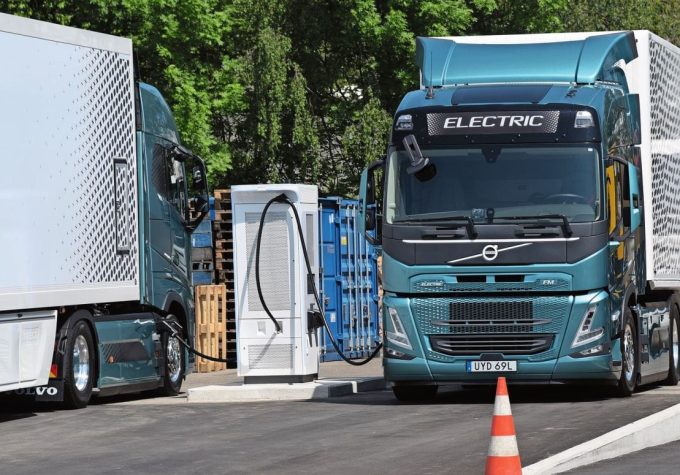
x=469, y=223
x=565, y=221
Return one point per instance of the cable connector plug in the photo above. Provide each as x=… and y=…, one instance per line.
x=314, y=320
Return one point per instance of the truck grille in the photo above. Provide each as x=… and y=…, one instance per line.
x=474, y=324
x=472, y=311
x=474, y=345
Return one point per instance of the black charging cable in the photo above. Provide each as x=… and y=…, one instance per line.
x=283, y=199
x=175, y=332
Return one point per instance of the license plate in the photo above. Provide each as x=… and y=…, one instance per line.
x=491, y=366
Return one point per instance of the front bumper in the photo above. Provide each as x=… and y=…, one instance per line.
x=565, y=369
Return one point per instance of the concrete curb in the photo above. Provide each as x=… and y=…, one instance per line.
x=319, y=389
x=650, y=431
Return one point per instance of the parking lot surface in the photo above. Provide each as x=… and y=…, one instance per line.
x=368, y=432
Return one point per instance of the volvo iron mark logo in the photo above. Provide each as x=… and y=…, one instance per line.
x=490, y=253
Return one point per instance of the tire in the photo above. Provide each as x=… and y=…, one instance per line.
x=674, y=348
x=415, y=393
x=630, y=355
x=79, y=366
x=173, y=359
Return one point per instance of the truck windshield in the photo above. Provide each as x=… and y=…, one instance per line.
x=497, y=181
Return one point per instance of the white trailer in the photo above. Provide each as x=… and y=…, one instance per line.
x=67, y=135
x=95, y=242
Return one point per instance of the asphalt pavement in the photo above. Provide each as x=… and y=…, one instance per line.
x=367, y=432
x=660, y=460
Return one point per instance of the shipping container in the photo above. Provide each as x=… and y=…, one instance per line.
x=349, y=288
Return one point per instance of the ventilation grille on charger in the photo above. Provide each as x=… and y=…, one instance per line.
x=275, y=268
x=270, y=356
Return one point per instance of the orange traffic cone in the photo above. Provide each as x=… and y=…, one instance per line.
x=503, y=458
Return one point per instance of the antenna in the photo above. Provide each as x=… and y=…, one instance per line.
x=430, y=88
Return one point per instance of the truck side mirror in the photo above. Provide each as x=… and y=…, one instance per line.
x=370, y=219
x=197, y=187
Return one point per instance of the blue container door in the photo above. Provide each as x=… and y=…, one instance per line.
x=350, y=281
x=330, y=259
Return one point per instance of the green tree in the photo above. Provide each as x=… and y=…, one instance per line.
x=304, y=90
x=528, y=16
x=659, y=16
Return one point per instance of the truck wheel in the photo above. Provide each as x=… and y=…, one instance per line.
x=173, y=353
x=79, y=367
x=631, y=359
x=415, y=393
x=674, y=347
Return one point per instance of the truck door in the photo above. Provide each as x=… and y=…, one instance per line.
x=167, y=200
x=615, y=174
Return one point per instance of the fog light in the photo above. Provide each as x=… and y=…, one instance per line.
x=397, y=355
x=591, y=351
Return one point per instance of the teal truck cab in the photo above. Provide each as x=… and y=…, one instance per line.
x=526, y=214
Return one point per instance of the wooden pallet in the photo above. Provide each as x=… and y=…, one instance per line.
x=212, y=338
x=224, y=264
x=223, y=240
x=223, y=195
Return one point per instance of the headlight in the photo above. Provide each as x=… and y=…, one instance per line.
x=398, y=335
x=586, y=333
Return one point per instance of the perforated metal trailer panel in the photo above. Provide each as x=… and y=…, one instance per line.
x=68, y=185
x=663, y=160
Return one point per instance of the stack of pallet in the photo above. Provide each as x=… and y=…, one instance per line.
x=211, y=326
x=202, y=254
x=224, y=262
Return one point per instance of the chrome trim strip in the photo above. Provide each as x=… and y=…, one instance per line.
x=498, y=251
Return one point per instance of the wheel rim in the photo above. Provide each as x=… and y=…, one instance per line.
x=174, y=356
x=675, y=343
x=81, y=363
x=629, y=353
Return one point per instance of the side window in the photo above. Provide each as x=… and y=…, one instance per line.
x=168, y=177
x=159, y=173
x=618, y=128
x=618, y=197
x=176, y=184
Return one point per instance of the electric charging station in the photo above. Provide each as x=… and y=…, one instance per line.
x=264, y=354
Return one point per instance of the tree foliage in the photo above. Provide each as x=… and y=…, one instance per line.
x=304, y=90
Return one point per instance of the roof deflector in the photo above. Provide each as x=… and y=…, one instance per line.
x=444, y=62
